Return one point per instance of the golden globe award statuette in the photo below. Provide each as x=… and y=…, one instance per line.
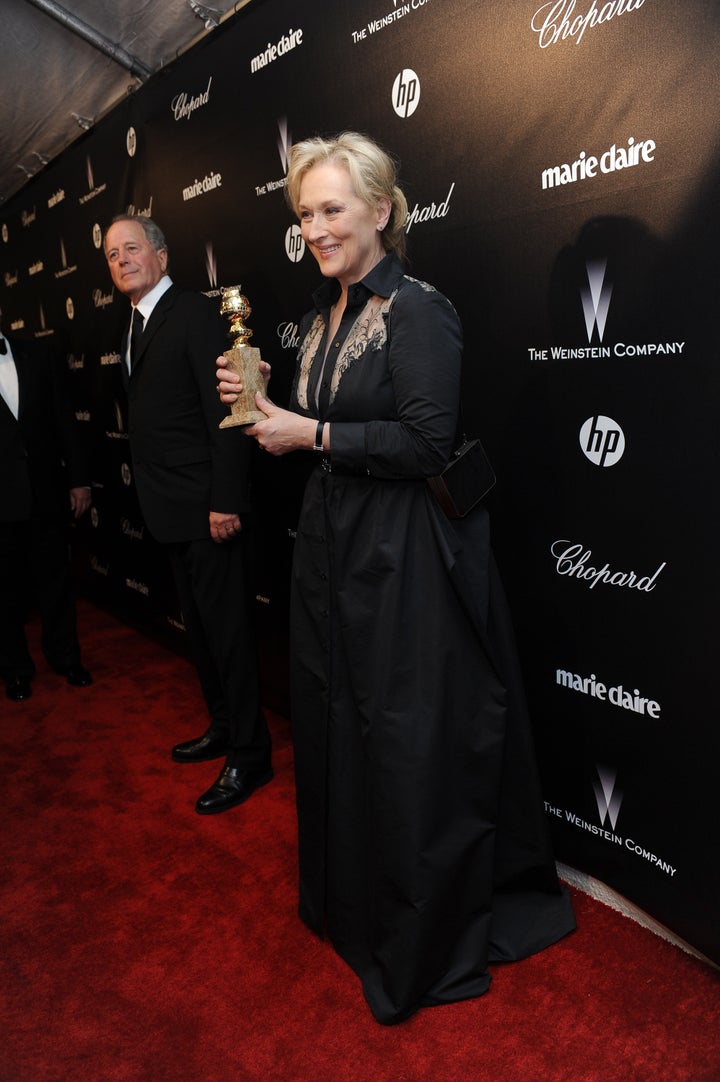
x=243, y=359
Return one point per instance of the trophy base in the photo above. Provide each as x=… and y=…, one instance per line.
x=245, y=361
x=247, y=417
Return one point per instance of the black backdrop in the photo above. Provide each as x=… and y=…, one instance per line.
x=560, y=162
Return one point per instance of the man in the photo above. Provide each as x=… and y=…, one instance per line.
x=192, y=482
x=43, y=478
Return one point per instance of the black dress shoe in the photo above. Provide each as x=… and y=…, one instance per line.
x=211, y=745
x=18, y=689
x=232, y=787
x=78, y=676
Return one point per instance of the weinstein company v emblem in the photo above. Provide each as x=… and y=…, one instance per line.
x=607, y=797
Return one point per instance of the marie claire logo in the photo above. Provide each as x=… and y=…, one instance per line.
x=98, y=568
x=102, y=300
x=56, y=197
x=556, y=21
x=425, y=214
x=10, y=279
x=28, y=217
x=617, y=695
x=284, y=45
x=75, y=363
x=294, y=244
x=398, y=12
x=406, y=93
x=36, y=267
x=288, y=335
x=184, y=105
x=201, y=187
x=93, y=189
x=572, y=561
x=139, y=587
x=585, y=166
x=608, y=799
x=602, y=440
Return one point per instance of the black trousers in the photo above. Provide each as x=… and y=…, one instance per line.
x=35, y=566
x=215, y=589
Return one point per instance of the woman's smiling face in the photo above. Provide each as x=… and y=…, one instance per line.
x=343, y=232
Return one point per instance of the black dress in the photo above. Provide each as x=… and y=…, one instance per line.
x=423, y=846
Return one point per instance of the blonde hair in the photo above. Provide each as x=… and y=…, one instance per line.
x=373, y=174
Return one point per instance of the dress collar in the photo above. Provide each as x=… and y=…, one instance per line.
x=380, y=282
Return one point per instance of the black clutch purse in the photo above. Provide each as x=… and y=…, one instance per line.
x=465, y=481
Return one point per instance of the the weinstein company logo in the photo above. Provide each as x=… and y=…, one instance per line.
x=211, y=268
x=284, y=145
x=93, y=190
x=284, y=142
x=596, y=298
x=607, y=796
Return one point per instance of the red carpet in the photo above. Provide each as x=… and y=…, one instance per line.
x=141, y=941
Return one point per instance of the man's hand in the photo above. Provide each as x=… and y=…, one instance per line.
x=224, y=527
x=79, y=501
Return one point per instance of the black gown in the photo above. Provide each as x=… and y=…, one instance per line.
x=423, y=845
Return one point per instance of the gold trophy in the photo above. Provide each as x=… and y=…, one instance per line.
x=243, y=359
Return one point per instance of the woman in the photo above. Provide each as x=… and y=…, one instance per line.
x=423, y=851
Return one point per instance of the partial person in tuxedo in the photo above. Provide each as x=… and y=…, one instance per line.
x=43, y=480
x=193, y=484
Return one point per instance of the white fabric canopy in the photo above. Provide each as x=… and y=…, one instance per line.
x=64, y=65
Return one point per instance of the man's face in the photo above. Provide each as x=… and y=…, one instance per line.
x=135, y=266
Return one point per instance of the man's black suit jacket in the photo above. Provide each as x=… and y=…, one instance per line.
x=184, y=465
x=41, y=456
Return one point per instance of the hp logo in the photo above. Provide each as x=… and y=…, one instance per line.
x=294, y=244
x=406, y=93
x=602, y=440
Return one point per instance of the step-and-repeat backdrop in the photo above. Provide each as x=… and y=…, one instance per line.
x=561, y=165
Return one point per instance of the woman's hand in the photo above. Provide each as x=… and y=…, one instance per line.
x=229, y=385
x=283, y=430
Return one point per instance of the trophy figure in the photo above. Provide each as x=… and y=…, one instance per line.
x=243, y=359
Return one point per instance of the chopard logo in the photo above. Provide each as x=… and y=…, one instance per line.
x=571, y=560
x=424, y=214
x=183, y=106
x=557, y=20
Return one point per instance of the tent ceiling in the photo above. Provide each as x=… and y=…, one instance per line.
x=65, y=65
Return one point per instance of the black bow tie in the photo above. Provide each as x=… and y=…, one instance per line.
x=3, y=346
